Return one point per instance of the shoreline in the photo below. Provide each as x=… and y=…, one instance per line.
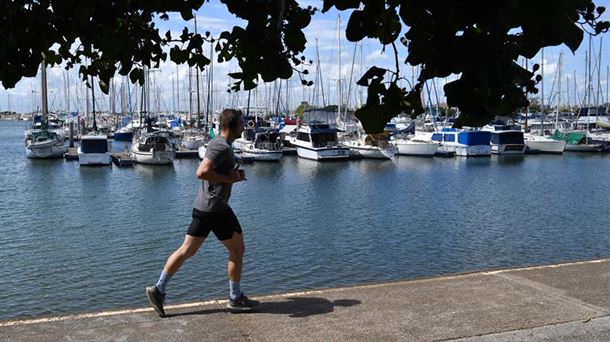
x=533, y=299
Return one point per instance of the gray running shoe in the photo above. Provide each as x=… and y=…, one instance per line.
x=242, y=303
x=156, y=299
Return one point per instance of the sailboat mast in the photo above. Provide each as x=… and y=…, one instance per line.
x=542, y=94
x=210, y=80
x=527, y=98
x=197, y=84
x=339, y=95
x=558, y=90
x=43, y=90
x=93, y=104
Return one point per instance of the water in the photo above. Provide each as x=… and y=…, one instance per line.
x=78, y=239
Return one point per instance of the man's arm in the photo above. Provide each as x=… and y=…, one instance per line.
x=206, y=171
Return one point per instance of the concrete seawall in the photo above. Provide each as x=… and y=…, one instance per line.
x=566, y=302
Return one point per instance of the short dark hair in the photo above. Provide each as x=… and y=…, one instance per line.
x=229, y=118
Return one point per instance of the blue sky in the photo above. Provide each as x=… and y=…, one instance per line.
x=213, y=17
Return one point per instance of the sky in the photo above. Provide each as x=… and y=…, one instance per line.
x=170, y=89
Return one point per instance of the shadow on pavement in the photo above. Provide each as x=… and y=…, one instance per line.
x=295, y=307
x=198, y=312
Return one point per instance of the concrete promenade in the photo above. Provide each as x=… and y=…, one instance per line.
x=567, y=302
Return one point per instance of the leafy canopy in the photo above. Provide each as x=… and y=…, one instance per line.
x=480, y=40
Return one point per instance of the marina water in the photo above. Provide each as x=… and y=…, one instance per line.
x=76, y=239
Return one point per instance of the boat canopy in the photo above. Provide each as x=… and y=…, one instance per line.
x=316, y=129
x=472, y=138
x=507, y=137
x=93, y=145
x=507, y=127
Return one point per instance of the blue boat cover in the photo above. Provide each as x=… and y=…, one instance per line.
x=472, y=138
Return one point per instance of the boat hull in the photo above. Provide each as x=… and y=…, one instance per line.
x=467, y=151
x=263, y=155
x=334, y=153
x=410, y=148
x=45, y=150
x=153, y=158
x=473, y=151
x=546, y=146
x=93, y=159
x=375, y=153
x=508, y=148
x=583, y=147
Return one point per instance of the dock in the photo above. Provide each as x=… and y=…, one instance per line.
x=183, y=153
x=72, y=154
x=121, y=159
x=562, y=302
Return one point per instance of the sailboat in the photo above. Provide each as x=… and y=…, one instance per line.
x=539, y=142
x=42, y=142
x=581, y=140
x=150, y=146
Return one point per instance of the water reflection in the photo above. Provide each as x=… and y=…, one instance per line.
x=372, y=166
x=310, y=169
x=510, y=160
x=154, y=171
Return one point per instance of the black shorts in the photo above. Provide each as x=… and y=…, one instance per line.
x=222, y=223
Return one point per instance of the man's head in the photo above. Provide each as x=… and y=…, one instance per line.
x=231, y=123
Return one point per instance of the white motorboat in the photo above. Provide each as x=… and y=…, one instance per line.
x=94, y=150
x=506, y=139
x=318, y=141
x=154, y=148
x=464, y=143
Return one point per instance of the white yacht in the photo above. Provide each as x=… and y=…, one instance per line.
x=94, y=150
x=506, y=139
x=155, y=148
x=318, y=141
x=260, y=145
x=466, y=143
x=372, y=146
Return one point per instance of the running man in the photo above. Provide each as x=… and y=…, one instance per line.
x=211, y=212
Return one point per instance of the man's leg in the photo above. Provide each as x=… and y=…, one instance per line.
x=156, y=293
x=189, y=247
x=235, y=246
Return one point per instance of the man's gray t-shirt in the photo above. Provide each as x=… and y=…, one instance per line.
x=215, y=196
